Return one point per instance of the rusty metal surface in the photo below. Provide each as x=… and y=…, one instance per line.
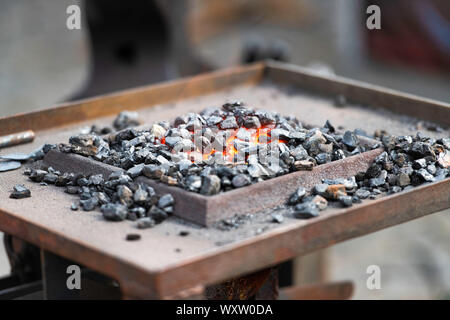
x=152, y=267
x=205, y=210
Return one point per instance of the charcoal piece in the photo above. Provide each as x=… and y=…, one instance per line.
x=50, y=178
x=102, y=197
x=125, y=195
x=444, y=159
x=376, y=182
x=89, y=204
x=133, y=237
x=431, y=169
x=193, y=182
x=83, y=182
x=265, y=117
x=169, y=180
x=213, y=120
x=334, y=191
x=401, y=159
x=320, y=189
x=279, y=134
x=74, y=206
x=346, y=201
x=72, y=189
x=241, y=180
x=252, y=123
x=145, y=223
x=20, y=192
x=168, y=210
x=403, y=179
x=356, y=199
x=210, y=185
x=157, y=130
x=306, y=210
x=229, y=123
x=320, y=202
x=362, y=194
x=394, y=189
x=303, y=165
x=419, y=164
x=183, y=233
x=161, y=160
x=276, y=217
x=114, y=211
x=421, y=150
x=140, y=195
x=156, y=214
x=421, y=176
x=126, y=119
x=338, y=155
x=299, y=153
x=329, y=126
x=135, y=171
x=172, y=141
x=37, y=175
x=153, y=171
x=257, y=170
x=373, y=171
x=297, y=196
x=323, y=158
x=350, y=140
x=165, y=201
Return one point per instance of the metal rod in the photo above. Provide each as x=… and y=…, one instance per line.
x=16, y=138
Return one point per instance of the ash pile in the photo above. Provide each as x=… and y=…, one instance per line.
x=219, y=149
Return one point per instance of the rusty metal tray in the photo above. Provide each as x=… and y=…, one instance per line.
x=165, y=265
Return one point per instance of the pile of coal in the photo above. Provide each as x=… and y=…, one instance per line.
x=118, y=196
x=219, y=149
x=407, y=161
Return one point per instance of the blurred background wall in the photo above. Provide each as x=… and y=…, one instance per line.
x=126, y=44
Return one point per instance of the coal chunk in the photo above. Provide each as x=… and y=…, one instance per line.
x=166, y=201
x=145, y=223
x=241, y=180
x=133, y=237
x=210, y=185
x=297, y=196
x=350, y=140
x=20, y=192
x=114, y=212
x=277, y=217
x=306, y=210
x=156, y=214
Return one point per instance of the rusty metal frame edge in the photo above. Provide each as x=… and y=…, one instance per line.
x=329, y=229
x=132, y=99
x=361, y=92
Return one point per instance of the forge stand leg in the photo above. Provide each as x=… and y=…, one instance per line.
x=259, y=285
x=55, y=275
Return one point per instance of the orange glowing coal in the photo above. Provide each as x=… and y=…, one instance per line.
x=249, y=137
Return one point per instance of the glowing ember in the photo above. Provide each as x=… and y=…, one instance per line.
x=247, y=138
